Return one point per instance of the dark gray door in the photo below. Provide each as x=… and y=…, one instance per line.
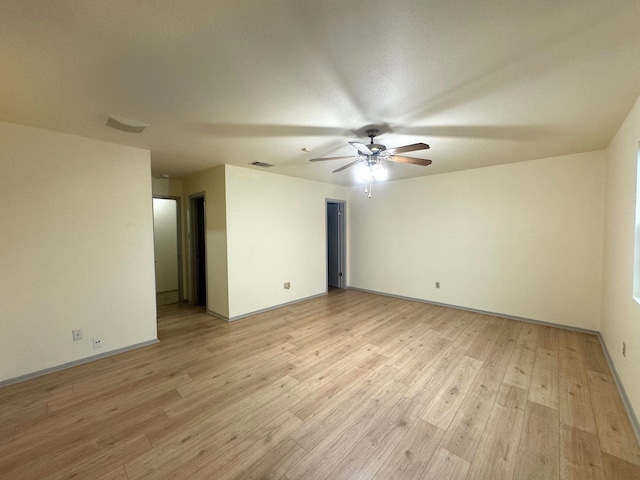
x=199, y=265
x=335, y=244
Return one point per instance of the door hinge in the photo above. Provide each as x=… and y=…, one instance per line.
x=340, y=274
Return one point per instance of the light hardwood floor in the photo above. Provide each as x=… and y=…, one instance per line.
x=346, y=386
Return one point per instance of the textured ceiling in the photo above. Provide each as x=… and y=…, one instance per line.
x=484, y=83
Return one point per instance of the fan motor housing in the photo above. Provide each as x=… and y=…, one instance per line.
x=376, y=148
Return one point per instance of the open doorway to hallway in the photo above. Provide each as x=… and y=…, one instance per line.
x=167, y=248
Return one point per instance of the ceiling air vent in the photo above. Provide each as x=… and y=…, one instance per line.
x=261, y=164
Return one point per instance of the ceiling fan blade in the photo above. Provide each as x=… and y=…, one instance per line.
x=408, y=148
x=329, y=158
x=414, y=161
x=362, y=148
x=348, y=165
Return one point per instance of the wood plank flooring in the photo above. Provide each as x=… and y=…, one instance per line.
x=346, y=386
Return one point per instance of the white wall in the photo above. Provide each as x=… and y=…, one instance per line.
x=276, y=227
x=76, y=248
x=212, y=183
x=167, y=187
x=621, y=313
x=523, y=239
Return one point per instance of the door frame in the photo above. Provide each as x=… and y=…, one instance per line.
x=179, y=246
x=342, y=242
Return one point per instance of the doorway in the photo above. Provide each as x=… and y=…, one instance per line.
x=198, y=250
x=167, y=248
x=336, y=244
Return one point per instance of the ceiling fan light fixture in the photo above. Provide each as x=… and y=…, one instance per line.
x=371, y=170
x=378, y=171
x=369, y=160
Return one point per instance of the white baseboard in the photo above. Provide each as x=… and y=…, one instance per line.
x=623, y=393
x=81, y=361
x=268, y=309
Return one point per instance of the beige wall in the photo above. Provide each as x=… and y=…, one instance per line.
x=621, y=313
x=276, y=234
x=167, y=187
x=523, y=239
x=262, y=230
x=76, y=248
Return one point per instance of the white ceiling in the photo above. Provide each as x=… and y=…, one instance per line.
x=235, y=81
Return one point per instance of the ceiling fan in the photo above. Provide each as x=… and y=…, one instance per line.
x=370, y=157
x=373, y=153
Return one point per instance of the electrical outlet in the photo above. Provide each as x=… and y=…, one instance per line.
x=437, y=284
x=97, y=342
x=624, y=349
x=287, y=285
x=77, y=334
